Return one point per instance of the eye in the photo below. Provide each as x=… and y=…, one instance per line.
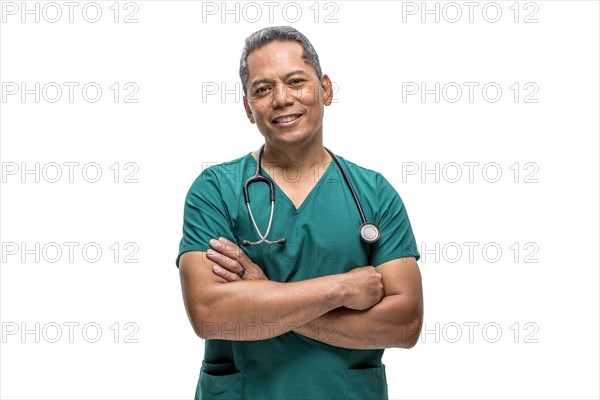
x=261, y=90
x=296, y=82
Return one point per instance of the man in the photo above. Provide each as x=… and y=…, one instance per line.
x=307, y=317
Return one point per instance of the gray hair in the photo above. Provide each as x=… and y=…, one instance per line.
x=277, y=33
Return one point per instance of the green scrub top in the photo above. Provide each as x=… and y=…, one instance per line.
x=322, y=239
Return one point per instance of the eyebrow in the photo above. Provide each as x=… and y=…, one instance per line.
x=286, y=76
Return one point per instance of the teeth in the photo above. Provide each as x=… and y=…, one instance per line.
x=286, y=119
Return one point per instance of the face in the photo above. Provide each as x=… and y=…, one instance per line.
x=284, y=97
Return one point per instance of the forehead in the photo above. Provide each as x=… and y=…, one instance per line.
x=275, y=59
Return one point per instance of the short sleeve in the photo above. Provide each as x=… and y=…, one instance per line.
x=397, y=239
x=205, y=216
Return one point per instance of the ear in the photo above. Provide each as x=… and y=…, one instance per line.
x=249, y=111
x=327, y=89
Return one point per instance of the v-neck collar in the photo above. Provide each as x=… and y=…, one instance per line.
x=285, y=196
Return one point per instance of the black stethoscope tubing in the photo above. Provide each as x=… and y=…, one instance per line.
x=368, y=232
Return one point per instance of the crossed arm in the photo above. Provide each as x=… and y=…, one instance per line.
x=365, y=308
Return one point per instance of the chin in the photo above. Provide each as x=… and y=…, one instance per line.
x=291, y=137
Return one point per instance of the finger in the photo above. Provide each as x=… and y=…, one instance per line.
x=223, y=261
x=232, y=250
x=217, y=250
x=226, y=247
x=236, y=252
x=217, y=256
x=223, y=273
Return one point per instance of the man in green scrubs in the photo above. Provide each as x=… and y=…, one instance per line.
x=308, y=319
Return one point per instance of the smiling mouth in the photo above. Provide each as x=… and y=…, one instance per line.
x=288, y=118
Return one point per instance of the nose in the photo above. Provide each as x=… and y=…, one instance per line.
x=282, y=97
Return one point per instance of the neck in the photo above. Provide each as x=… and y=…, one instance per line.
x=301, y=156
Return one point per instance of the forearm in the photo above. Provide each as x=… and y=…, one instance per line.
x=261, y=309
x=230, y=307
x=393, y=322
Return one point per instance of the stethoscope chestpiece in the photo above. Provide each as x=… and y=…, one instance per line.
x=369, y=232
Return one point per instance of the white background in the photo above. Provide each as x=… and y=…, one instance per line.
x=547, y=311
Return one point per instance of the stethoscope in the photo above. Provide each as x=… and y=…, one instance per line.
x=368, y=231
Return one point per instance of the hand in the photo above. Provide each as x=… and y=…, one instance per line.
x=364, y=288
x=230, y=260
